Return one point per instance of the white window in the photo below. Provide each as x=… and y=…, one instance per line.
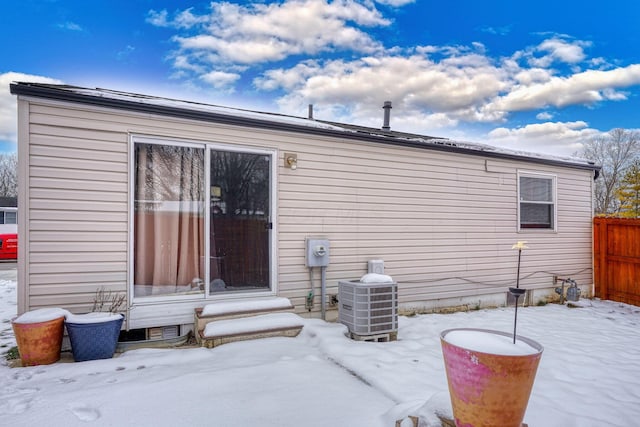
x=537, y=201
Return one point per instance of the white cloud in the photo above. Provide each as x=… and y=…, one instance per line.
x=182, y=63
x=333, y=63
x=561, y=138
x=158, y=19
x=395, y=3
x=125, y=53
x=186, y=19
x=531, y=76
x=8, y=103
x=288, y=79
x=234, y=51
x=501, y=31
x=599, y=62
x=587, y=87
x=258, y=33
x=434, y=96
x=220, y=79
x=70, y=26
x=415, y=83
x=614, y=95
x=557, y=49
x=182, y=20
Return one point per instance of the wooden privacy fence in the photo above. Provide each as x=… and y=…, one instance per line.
x=616, y=253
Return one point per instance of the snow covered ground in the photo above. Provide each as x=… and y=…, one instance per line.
x=589, y=376
x=8, y=307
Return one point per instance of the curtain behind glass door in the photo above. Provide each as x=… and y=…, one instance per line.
x=168, y=220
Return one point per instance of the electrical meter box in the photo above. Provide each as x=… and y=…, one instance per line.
x=317, y=252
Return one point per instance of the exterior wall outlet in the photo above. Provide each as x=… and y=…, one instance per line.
x=333, y=300
x=375, y=266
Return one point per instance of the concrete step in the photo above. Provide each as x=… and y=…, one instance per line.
x=223, y=312
x=253, y=327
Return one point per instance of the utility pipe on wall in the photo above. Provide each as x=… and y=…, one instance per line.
x=323, y=291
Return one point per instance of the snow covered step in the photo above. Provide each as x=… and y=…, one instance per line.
x=245, y=328
x=240, y=308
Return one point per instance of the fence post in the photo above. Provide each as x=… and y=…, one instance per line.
x=604, y=267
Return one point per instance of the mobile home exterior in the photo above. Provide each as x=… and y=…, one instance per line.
x=178, y=204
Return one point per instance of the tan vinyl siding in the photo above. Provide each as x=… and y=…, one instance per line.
x=78, y=198
x=444, y=223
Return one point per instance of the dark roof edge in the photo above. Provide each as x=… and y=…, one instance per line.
x=48, y=92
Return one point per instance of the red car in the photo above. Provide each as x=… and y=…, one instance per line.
x=8, y=246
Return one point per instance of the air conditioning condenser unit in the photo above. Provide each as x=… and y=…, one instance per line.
x=368, y=308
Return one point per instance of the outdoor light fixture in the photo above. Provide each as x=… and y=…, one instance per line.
x=291, y=161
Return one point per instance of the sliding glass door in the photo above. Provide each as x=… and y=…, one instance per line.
x=239, y=232
x=173, y=212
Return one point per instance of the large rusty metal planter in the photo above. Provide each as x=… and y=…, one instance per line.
x=489, y=390
x=39, y=343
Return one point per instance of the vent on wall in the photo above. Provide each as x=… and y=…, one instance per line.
x=368, y=308
x=524, y=302
x=164, y=332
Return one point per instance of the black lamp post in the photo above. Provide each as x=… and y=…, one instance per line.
x=517, y=292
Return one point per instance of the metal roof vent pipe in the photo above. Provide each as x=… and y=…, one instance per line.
x=387, y=115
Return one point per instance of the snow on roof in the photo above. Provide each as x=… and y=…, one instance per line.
x=191, y=105
x=127, y=99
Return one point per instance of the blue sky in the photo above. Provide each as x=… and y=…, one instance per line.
x=541, y=76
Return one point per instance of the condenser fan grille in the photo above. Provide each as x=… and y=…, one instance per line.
x=368, y=308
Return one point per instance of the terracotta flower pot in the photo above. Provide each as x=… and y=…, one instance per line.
x=39, y=343
x=489, y=385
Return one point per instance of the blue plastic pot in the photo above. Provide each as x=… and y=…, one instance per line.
x=92, y=341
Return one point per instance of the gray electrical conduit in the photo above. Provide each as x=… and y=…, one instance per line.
x=499, y=283
x=323, y=291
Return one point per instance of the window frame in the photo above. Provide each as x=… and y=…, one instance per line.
x=554, y=203
x=13, y=215
x=4, y=214
x=140, y=139
x=207, y=146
